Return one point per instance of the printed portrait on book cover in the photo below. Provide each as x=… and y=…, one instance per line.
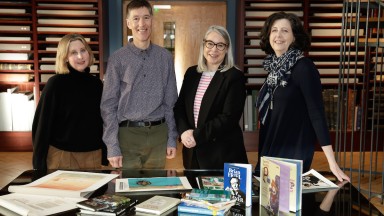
x=311, y=181
x=236, y=193
x=274, y=195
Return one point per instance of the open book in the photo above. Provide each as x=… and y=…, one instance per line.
x=53, y=193
x=315, y=182
x=65, y=184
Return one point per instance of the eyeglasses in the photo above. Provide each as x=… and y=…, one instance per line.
x=210, y=44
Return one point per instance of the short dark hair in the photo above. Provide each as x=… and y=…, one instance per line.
x=135, y=4
x=302, y=39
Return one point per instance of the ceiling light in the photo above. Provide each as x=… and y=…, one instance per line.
x=161, y=6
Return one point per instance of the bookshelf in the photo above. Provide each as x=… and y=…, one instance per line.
x=324, y=20
x=30, y=31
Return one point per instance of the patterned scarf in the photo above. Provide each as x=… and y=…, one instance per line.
x=279, y=72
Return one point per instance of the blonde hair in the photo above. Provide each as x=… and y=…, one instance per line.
x=61, y=66
x=228, y=59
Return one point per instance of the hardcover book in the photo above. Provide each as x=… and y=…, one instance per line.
x=295, y=181
x=238, y=180
x=315, y=182
x=153, y=184
x=274, y=185
x=157, y=204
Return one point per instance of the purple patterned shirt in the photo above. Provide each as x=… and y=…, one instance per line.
x=139, y=85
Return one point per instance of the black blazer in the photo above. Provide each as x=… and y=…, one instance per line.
x=218, y=135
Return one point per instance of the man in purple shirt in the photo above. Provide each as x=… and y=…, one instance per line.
x=138, y=98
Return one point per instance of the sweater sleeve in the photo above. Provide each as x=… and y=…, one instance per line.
x=310, y=85
x=43, y=124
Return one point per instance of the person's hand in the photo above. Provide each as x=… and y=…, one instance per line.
x=187, y=139
x=116, y=162
x=171, y=152
x=340, y=175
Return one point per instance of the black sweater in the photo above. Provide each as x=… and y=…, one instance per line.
x=68, y=116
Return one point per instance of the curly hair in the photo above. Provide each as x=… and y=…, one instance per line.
x=302, y=39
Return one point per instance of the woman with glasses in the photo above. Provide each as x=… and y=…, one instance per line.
x=210, y=106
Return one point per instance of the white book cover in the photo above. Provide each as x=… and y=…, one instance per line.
x=51, y=48
x=13, y=56
x=15, y=46
x=41, y=29
x=66, y=12
x=66, y=21
x=314, y=182
x=65, y=183
x=157, y=204
x=15, y=38
x=14, y=28
x=37, y=205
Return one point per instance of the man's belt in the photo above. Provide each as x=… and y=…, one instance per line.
x=128, y=123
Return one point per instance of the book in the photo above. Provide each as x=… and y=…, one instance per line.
x=63, y=183
x=103, y=201
x=209, y=195
x=295, y=181
x=37, y=205
x=274, y=185
x=157, y=204
x=152, y=184
x=210, y=182
x=119, y=209
x=315, y=182
x=194, y=209
x=238, y=180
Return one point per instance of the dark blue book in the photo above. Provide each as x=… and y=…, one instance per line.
x=238, y=180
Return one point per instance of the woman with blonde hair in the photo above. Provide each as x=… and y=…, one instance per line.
x=67, y=126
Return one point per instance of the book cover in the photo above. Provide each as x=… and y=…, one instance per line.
x=188, y=208
x=209, y=195
x=238, y=180
x=274, y=186
x=65, y=183
x=120, y=209
x=103, y=202
x=295, y=181
x=152, y=184
x=157, y=204
x=210, y=182
x=315, y=182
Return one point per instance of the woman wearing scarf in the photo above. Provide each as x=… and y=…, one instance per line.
x=290, y=101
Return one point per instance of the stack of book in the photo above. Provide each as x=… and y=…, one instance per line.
x=206, y=201
x=106, y=204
